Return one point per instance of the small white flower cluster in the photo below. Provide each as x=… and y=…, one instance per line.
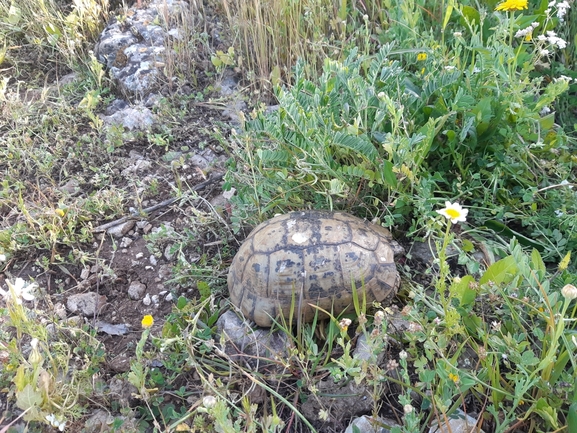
x=56, y=422
x=562, y=8
x=18, y=291
x=563, y=78
x=544, y=53
x=527, y=30
x=553, y=39
x=544, y=111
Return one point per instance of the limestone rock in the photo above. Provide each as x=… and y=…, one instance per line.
x=88, y=304
x=459, y=422
x=133, y=48
x=367, y=424
x=135, y=117
x=255, y=347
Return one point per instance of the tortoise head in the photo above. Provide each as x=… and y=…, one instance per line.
x=398, y=250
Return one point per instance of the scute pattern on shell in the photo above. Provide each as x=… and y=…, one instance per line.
x=312, y=257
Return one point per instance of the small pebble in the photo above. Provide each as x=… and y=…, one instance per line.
x=136, y=290
x=141, y=224
x=95, y=269
x=85, y=273
x=146, y=301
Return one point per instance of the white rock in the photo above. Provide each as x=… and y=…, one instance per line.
x=168, y=255
x=256, y=345
x=459, y=422
x=125, y=242
x=147, y=301
x=120, y=230
x=95, y=269
x=367, y=424
x=88, y=304
x=85, y=273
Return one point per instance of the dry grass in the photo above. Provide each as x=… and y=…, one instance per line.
x=274, y=34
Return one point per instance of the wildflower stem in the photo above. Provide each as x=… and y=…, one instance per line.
x=444, y=266
x=140, y=345
x=511, y=26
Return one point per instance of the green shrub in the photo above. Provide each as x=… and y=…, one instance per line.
x=393, y=137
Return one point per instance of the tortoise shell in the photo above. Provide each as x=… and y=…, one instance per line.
x=313, y=257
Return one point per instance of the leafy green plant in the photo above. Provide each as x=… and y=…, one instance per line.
x=320, y=147
x=194, y=266
x=518, y=324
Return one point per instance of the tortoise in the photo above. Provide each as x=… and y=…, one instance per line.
x=312, y=257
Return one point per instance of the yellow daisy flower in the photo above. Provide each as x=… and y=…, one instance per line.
x=147, y=321
x=512, y=5
x=421, y=57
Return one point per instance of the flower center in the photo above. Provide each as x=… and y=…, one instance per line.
x=453, y=213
